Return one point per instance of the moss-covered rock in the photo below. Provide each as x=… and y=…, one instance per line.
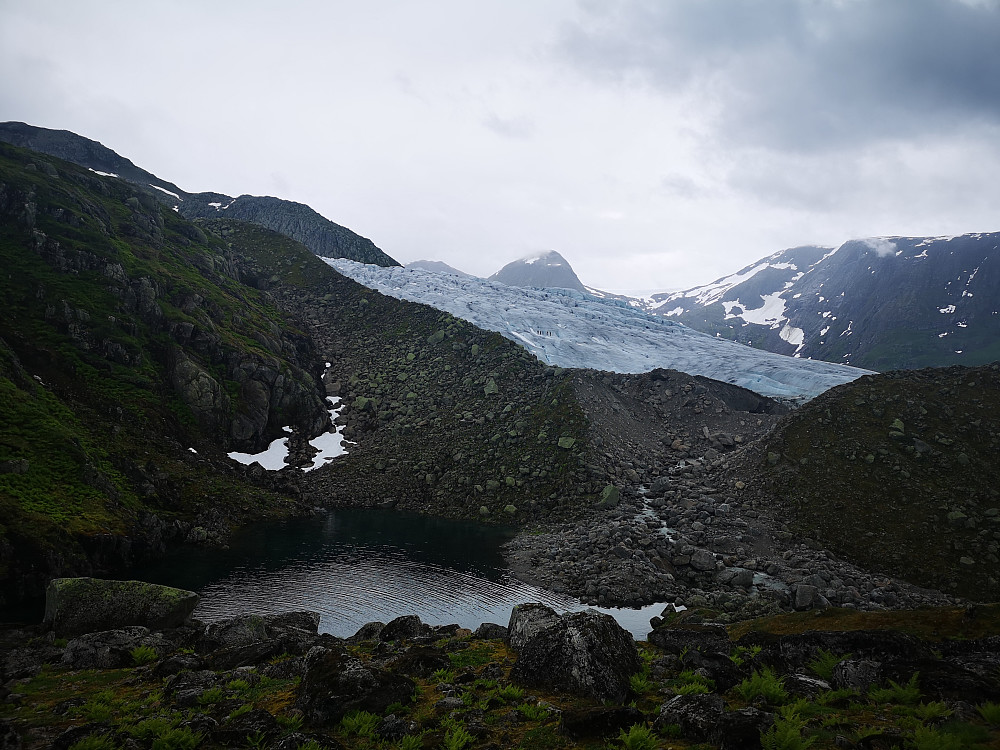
x=74, y=606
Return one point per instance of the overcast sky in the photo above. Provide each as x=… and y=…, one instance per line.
x=656, y=144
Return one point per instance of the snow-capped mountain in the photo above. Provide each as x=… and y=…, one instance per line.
x=568, y=328
x=884, y=303
x=541, y=271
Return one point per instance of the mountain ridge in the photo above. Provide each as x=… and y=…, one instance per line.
x=296, y=220
x=881, y=303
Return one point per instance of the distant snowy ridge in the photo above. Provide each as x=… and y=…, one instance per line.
x=567, y=328
x=881, y=302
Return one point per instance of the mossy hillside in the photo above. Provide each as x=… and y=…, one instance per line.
x=931, y=624
x=896, y=472
x=104, y=292
x=448, y=418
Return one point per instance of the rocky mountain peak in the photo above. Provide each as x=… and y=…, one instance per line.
x=544, y=270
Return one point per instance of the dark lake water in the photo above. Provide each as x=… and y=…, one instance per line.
x=356, y=566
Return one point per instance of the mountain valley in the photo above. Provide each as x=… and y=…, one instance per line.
x=148, y=332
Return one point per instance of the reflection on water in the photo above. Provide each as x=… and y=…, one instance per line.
x=356, y=566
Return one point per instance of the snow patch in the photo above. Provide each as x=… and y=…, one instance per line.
x=164, y=190
x=927, y=241
x=272, y=458
x=329, y=444
x=771, y=313
x=947, y=310
x=794, y=336
x=102, y=174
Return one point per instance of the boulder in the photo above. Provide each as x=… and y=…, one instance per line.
x=704, y=718
x=702, y=559
x=186, y=688
x=797, y=650
x=335, y=684
x=610, y=497
x=585, y=653
x=294, y=632
x=704, y=638
x=419, y=661
x=74, y=606
x=490, y=631
x=403, y=628
x=530, y=620
x=111, y=649
x=367, y=632
x=857, y=674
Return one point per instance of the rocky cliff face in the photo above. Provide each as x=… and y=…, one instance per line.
x=881, y=304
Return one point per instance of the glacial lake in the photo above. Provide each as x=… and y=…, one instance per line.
x=356, y=566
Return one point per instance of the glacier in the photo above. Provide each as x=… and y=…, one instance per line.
x=567, y=328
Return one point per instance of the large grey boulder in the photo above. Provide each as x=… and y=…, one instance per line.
x=586, y=653
x=74, y=606
x=336, y=683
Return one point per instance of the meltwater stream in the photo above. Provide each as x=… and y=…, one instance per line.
x=356, y=566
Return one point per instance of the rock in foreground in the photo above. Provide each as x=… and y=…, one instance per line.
x=74, y=606
x=586, y=653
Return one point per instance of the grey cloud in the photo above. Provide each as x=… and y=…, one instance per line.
x=801, y=75
x=510, y=127
x=681, y=186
